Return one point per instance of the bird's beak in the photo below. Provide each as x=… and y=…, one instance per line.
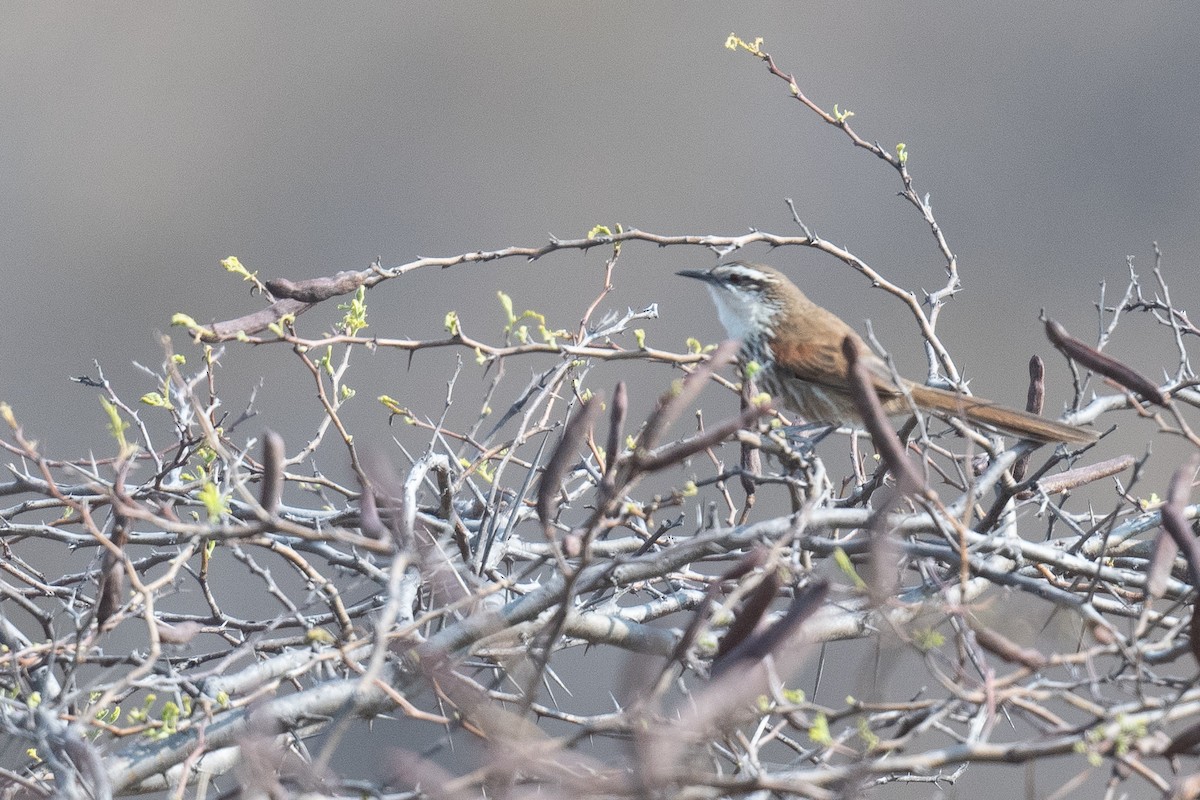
x=698, y=274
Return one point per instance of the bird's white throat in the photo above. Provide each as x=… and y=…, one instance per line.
x=742, y=315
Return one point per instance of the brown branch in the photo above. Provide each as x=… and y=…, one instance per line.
x=1105, y=365
x=876, y=422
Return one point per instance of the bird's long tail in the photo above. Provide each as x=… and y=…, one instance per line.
x=1007, y=420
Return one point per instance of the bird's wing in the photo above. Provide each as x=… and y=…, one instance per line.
x=818, y=359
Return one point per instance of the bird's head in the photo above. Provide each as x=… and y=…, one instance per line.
x=749, y=297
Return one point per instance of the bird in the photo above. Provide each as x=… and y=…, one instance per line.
x=798, y=346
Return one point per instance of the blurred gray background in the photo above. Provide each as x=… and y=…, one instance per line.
x=141, y=143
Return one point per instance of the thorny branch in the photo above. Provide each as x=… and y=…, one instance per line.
x=184, y=614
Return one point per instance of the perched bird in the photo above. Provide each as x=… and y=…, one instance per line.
x=798, y=344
